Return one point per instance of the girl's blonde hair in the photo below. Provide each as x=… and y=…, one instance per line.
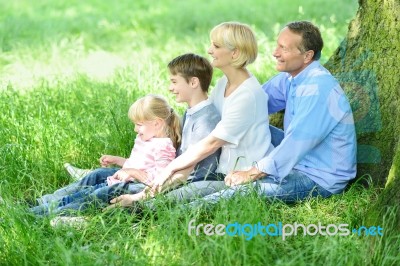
x=235, y=35
x=151, y=107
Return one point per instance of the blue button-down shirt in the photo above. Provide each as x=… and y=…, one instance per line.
x=320, y=138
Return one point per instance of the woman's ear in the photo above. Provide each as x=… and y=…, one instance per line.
x=235, y=53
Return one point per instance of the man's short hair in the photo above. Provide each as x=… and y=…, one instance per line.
x=310, y=35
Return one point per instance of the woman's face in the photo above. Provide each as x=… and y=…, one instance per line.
x=221, y=55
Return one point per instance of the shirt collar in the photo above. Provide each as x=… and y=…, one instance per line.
x=198, y=107
x=304, y=73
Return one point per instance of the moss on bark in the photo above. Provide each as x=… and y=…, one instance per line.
x=367, y=63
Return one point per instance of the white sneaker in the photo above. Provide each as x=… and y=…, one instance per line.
x=77, y=221
x=75, y=172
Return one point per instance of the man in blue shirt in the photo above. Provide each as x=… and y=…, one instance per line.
x=317, y=152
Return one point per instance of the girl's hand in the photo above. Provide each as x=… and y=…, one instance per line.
x=122, y=175
x=107, y=160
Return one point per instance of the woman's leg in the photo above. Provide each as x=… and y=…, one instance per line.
x=194, y=190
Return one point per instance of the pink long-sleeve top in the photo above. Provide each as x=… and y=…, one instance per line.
x=150, y=156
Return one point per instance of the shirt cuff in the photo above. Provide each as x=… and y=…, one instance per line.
x=267, y=165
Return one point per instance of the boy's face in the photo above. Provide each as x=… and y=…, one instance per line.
x=181, y=88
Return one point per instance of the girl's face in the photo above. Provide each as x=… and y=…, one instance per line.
x=221, y=55
x=147, y=130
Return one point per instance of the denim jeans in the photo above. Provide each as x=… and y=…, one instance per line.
x=277, y=135
x=96, y=196
x=294, y=187
x=98, y=176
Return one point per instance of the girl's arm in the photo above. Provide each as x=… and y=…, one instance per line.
x=107, y=160
x=131, y=174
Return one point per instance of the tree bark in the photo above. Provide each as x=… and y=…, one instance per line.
x=367, y=64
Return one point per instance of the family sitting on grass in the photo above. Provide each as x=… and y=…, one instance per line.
x=227, y=146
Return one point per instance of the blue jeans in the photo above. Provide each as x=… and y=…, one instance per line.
x=97, y=196
x=294, y=187
x=98, y=176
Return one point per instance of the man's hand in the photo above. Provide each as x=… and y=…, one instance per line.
x=240, y=177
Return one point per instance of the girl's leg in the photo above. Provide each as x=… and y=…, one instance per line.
x=98, y=176
x=99, y=197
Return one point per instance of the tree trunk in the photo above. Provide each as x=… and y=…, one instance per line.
x=367, y=63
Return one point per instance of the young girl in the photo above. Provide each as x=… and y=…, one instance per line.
x=158, y=136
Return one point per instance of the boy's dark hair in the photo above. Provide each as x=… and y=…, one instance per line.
x=192, y=65
x=311, y=37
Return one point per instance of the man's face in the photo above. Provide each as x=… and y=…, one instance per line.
x=288, y=56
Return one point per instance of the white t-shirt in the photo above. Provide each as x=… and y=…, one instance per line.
x=244, y=124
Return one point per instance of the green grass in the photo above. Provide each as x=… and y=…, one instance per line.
x=69, y=70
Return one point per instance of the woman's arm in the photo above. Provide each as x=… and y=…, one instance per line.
x=188, y=159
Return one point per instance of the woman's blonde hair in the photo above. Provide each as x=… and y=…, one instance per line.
x=235, y=35
x=151, y=107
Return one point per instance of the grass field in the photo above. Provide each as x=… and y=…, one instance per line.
x=69, y=70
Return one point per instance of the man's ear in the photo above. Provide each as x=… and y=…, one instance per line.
x=308, y=56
